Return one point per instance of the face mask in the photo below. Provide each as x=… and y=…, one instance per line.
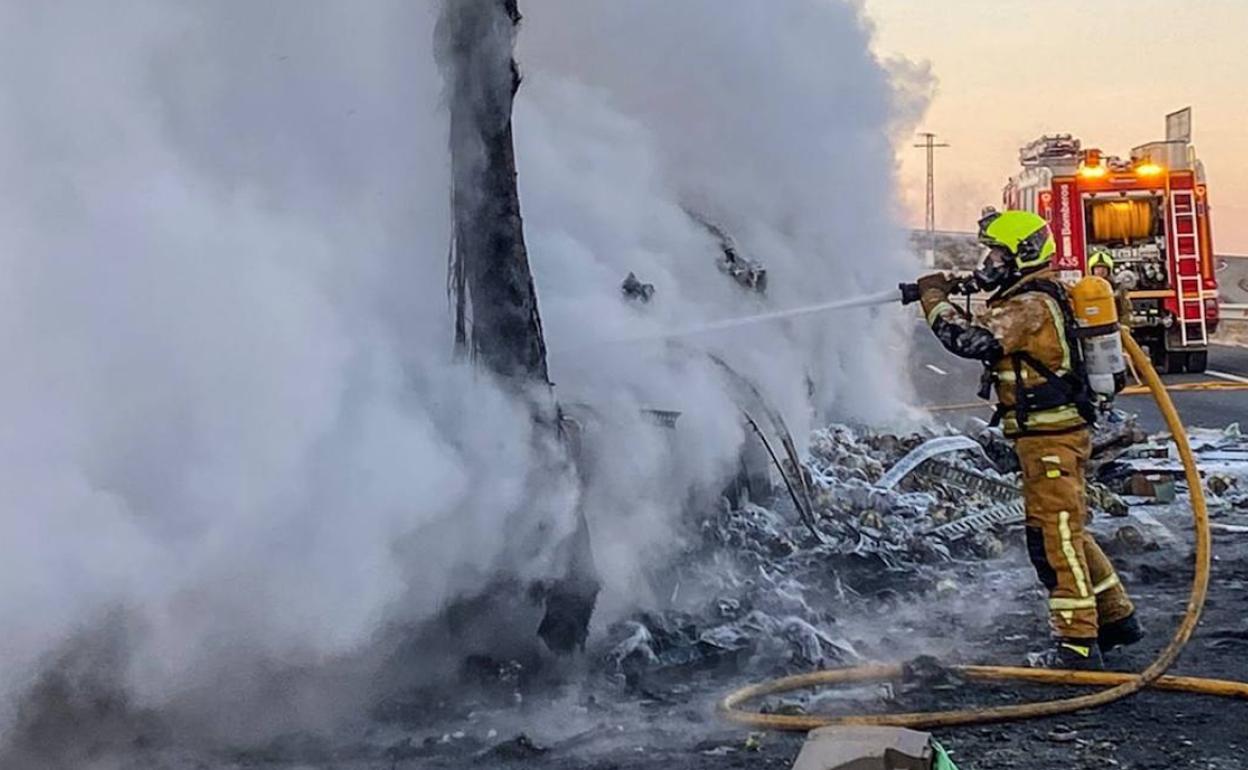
x=996, y=271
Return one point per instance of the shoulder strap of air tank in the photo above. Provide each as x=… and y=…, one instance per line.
x=1052, y=289
x=1070, y=329
x=1076, y=381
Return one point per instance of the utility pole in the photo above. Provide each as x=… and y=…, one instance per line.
x=930, y=144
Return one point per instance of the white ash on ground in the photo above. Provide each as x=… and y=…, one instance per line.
x=755, y=590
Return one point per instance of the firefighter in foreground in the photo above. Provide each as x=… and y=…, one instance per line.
x=1027, y=342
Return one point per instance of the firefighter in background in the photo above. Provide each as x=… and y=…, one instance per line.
x=1025, y=339
x=1101, y=264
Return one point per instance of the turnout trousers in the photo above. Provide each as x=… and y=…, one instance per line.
x=1084, y=590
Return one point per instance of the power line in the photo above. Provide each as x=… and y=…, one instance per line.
x=930, y=144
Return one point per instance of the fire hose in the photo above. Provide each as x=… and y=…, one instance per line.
x=1120, y=684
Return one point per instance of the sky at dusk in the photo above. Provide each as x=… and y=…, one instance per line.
x=1107, y=72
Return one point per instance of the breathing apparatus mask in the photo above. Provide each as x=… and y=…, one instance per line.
x=998, y=270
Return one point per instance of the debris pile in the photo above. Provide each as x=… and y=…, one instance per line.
x=756, y=589
x=1150, y=471
x=897, y=518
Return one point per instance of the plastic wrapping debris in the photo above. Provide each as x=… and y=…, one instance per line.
x=812, y=648
x=999, y=449
x=753, y=528
x=637, y=646
x=924, y=452
x=673, y=640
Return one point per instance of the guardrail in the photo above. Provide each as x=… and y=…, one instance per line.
x=1233, y=312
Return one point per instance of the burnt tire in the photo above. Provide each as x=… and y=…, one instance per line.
x=1198, y=361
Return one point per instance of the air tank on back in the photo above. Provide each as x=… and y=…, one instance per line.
x=1097, y=315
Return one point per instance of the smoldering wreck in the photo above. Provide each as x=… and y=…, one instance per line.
x=806, y=541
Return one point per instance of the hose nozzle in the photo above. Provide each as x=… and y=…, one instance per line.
x=909, y=292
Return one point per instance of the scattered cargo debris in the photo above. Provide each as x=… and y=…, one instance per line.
x=1152, y=485
x=905, y=521
x=748, y=273
x=633, y=289
x=894, y=513
x=1148, y=471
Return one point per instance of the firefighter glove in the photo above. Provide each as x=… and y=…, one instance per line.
x=936, y=286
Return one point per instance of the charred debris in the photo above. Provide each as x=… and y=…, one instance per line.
x=490, y=283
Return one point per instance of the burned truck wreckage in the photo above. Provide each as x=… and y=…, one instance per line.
x=771, y=567
x=916, y=554
x=498, y=326
x=865, y=518
x=491, y=287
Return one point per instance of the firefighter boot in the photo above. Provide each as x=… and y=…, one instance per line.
x=1119, y=633
x=1113, y=606
x=1073, y=654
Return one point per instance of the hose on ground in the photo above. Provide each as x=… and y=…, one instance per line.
x=1119, y=685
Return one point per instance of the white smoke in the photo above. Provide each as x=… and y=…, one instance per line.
x=772, y=120
x=228, y=397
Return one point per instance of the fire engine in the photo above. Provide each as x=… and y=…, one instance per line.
x=1151, y=213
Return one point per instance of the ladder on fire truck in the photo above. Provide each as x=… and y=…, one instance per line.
x=1188, y=283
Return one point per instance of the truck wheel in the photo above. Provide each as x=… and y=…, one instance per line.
x=1157, y=355
x=1174, y=362
x=1197, y=361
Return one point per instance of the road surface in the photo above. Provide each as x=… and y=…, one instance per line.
x=943, y=380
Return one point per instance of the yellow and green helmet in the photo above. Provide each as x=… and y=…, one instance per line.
x=1100, y=256
x=1023, y=234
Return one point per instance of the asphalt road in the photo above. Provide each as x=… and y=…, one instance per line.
x=942, y=380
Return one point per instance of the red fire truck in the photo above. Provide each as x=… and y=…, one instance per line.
x=1151, y=212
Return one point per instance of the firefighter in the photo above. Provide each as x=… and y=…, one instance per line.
x=1101, y=264
x=1025, y=339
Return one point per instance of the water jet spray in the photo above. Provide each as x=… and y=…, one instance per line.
x=866, y=300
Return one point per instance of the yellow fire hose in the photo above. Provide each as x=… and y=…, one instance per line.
x=1120, y=685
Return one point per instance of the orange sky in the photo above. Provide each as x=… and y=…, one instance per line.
x=1106, y=71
